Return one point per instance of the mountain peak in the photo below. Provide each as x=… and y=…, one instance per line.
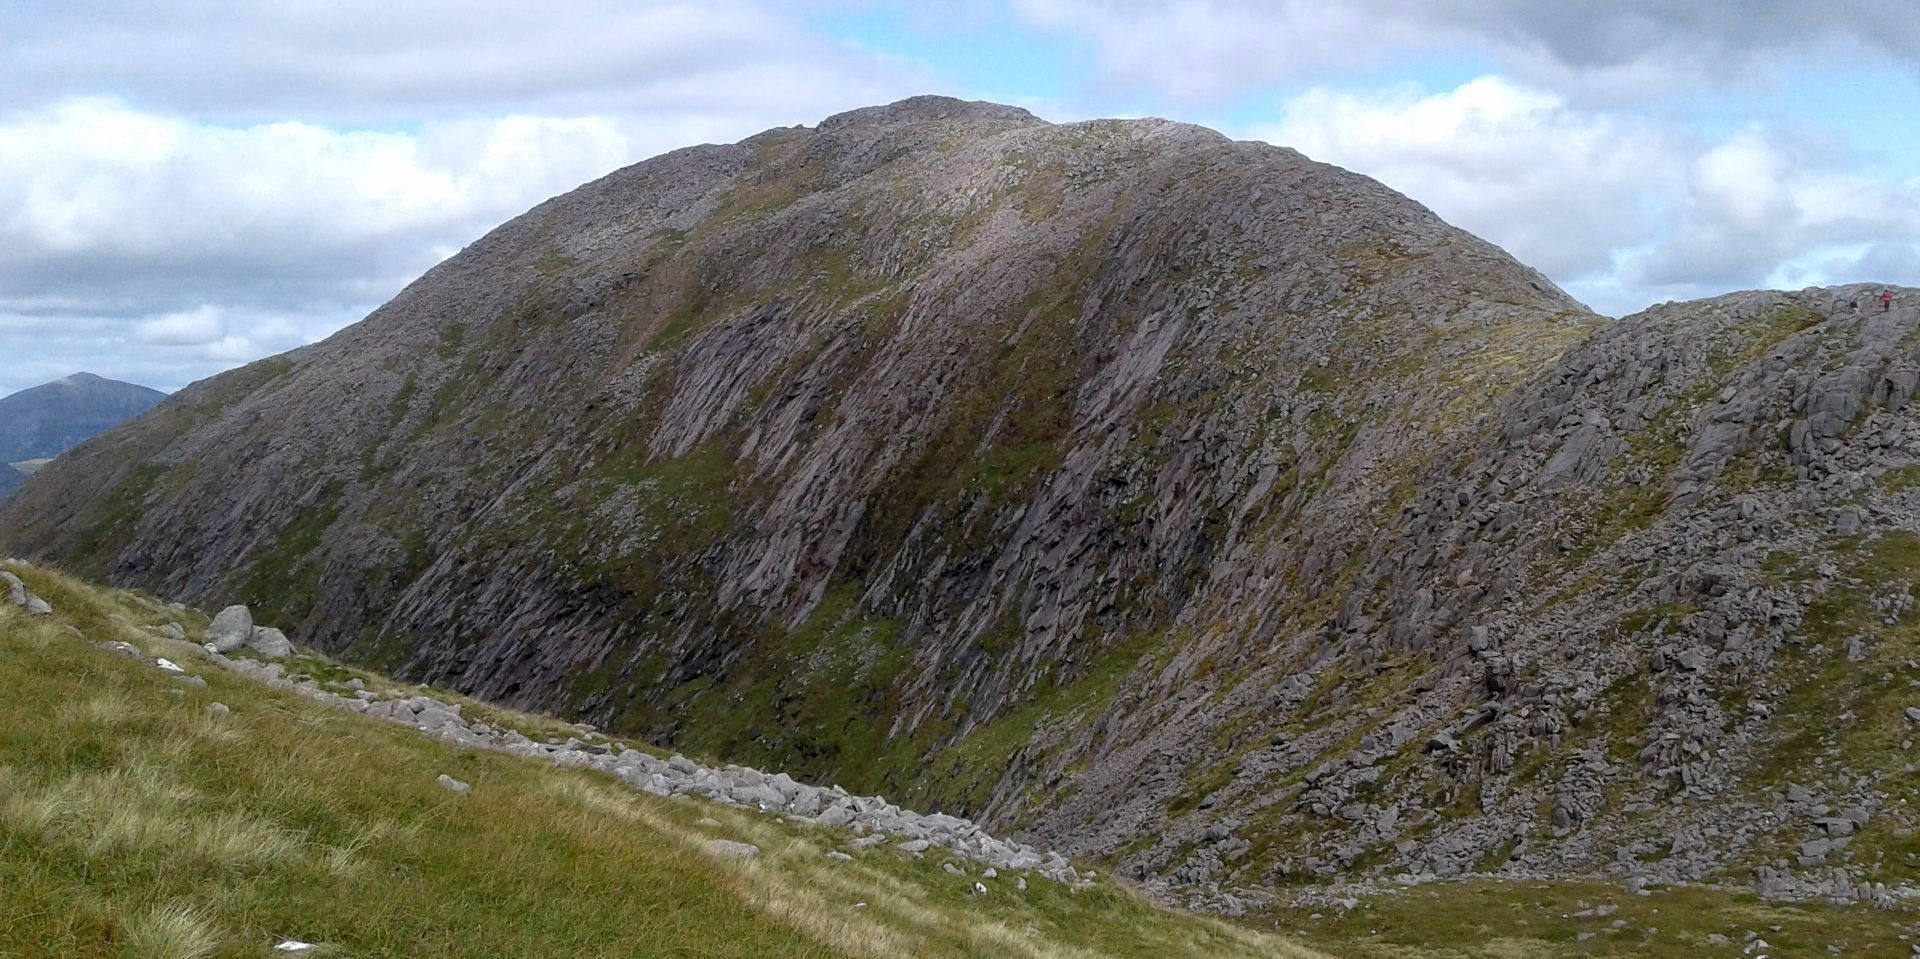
x=929, y=107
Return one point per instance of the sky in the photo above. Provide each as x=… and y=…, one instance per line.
x=189, y=185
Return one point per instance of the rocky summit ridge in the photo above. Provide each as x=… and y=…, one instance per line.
x=1167, y=500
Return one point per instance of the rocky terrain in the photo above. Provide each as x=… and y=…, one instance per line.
x=1174, y=502
x=43, y=422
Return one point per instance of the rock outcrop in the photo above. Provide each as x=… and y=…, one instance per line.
x=1168, y=499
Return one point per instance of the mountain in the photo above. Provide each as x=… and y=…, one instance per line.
x=1176, y=502
x=47, y=420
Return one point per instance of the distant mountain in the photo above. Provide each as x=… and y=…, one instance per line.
x=52, y=418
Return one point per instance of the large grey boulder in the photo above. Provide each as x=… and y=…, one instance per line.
x=231, y=629
x=17, y=590
x=270, y=642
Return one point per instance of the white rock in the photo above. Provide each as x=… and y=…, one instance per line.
x=294, y=945
x=168, y=665
x=453, y=785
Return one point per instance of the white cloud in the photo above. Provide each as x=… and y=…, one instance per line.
x=1558, y=187
x=379, y=61
x=1621, y=210
x=186, y=328
x=211, y=245
x=1609, y=49
x=107, y=209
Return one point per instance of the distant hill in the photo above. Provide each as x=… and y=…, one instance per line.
x=49, y=419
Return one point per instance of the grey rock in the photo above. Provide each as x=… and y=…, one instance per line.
x=219, y=709
x=231, y=629
x=16, y=590
x=270, y=642
x=37, y=606
x=453, y=785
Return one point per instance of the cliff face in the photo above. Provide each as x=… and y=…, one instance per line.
x=1178, y=500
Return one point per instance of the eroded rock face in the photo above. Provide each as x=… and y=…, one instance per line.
x=1109, y=480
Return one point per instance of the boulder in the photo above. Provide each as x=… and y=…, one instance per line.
x=270, y=642
x=453, y=785
x=231, y=629
x=16, y=590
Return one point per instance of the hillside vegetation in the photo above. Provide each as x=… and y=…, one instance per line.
x=138, y=821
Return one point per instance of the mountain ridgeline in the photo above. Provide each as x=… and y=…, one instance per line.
x=1171, y=500
x=47, y=420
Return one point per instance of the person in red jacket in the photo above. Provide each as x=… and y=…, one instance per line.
x=1886, y=300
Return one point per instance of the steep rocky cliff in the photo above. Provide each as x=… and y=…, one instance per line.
x=1175, y=500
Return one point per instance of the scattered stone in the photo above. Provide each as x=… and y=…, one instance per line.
x=1913, y=714
x=838, y=856
x=294, y=945
x=453, y=785
x=734, y=850
x=119, y=648
x=219, y=709
x=168, y=665
x=270, y=642
x=877, y=820
x=38, y=606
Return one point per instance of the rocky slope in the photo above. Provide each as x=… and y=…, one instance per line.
x=1173, y=500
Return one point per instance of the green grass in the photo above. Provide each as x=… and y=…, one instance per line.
x=134, y=822
x=1486, y=919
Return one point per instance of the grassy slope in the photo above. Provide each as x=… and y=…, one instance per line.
x=1486, y=919
x=133, y=822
